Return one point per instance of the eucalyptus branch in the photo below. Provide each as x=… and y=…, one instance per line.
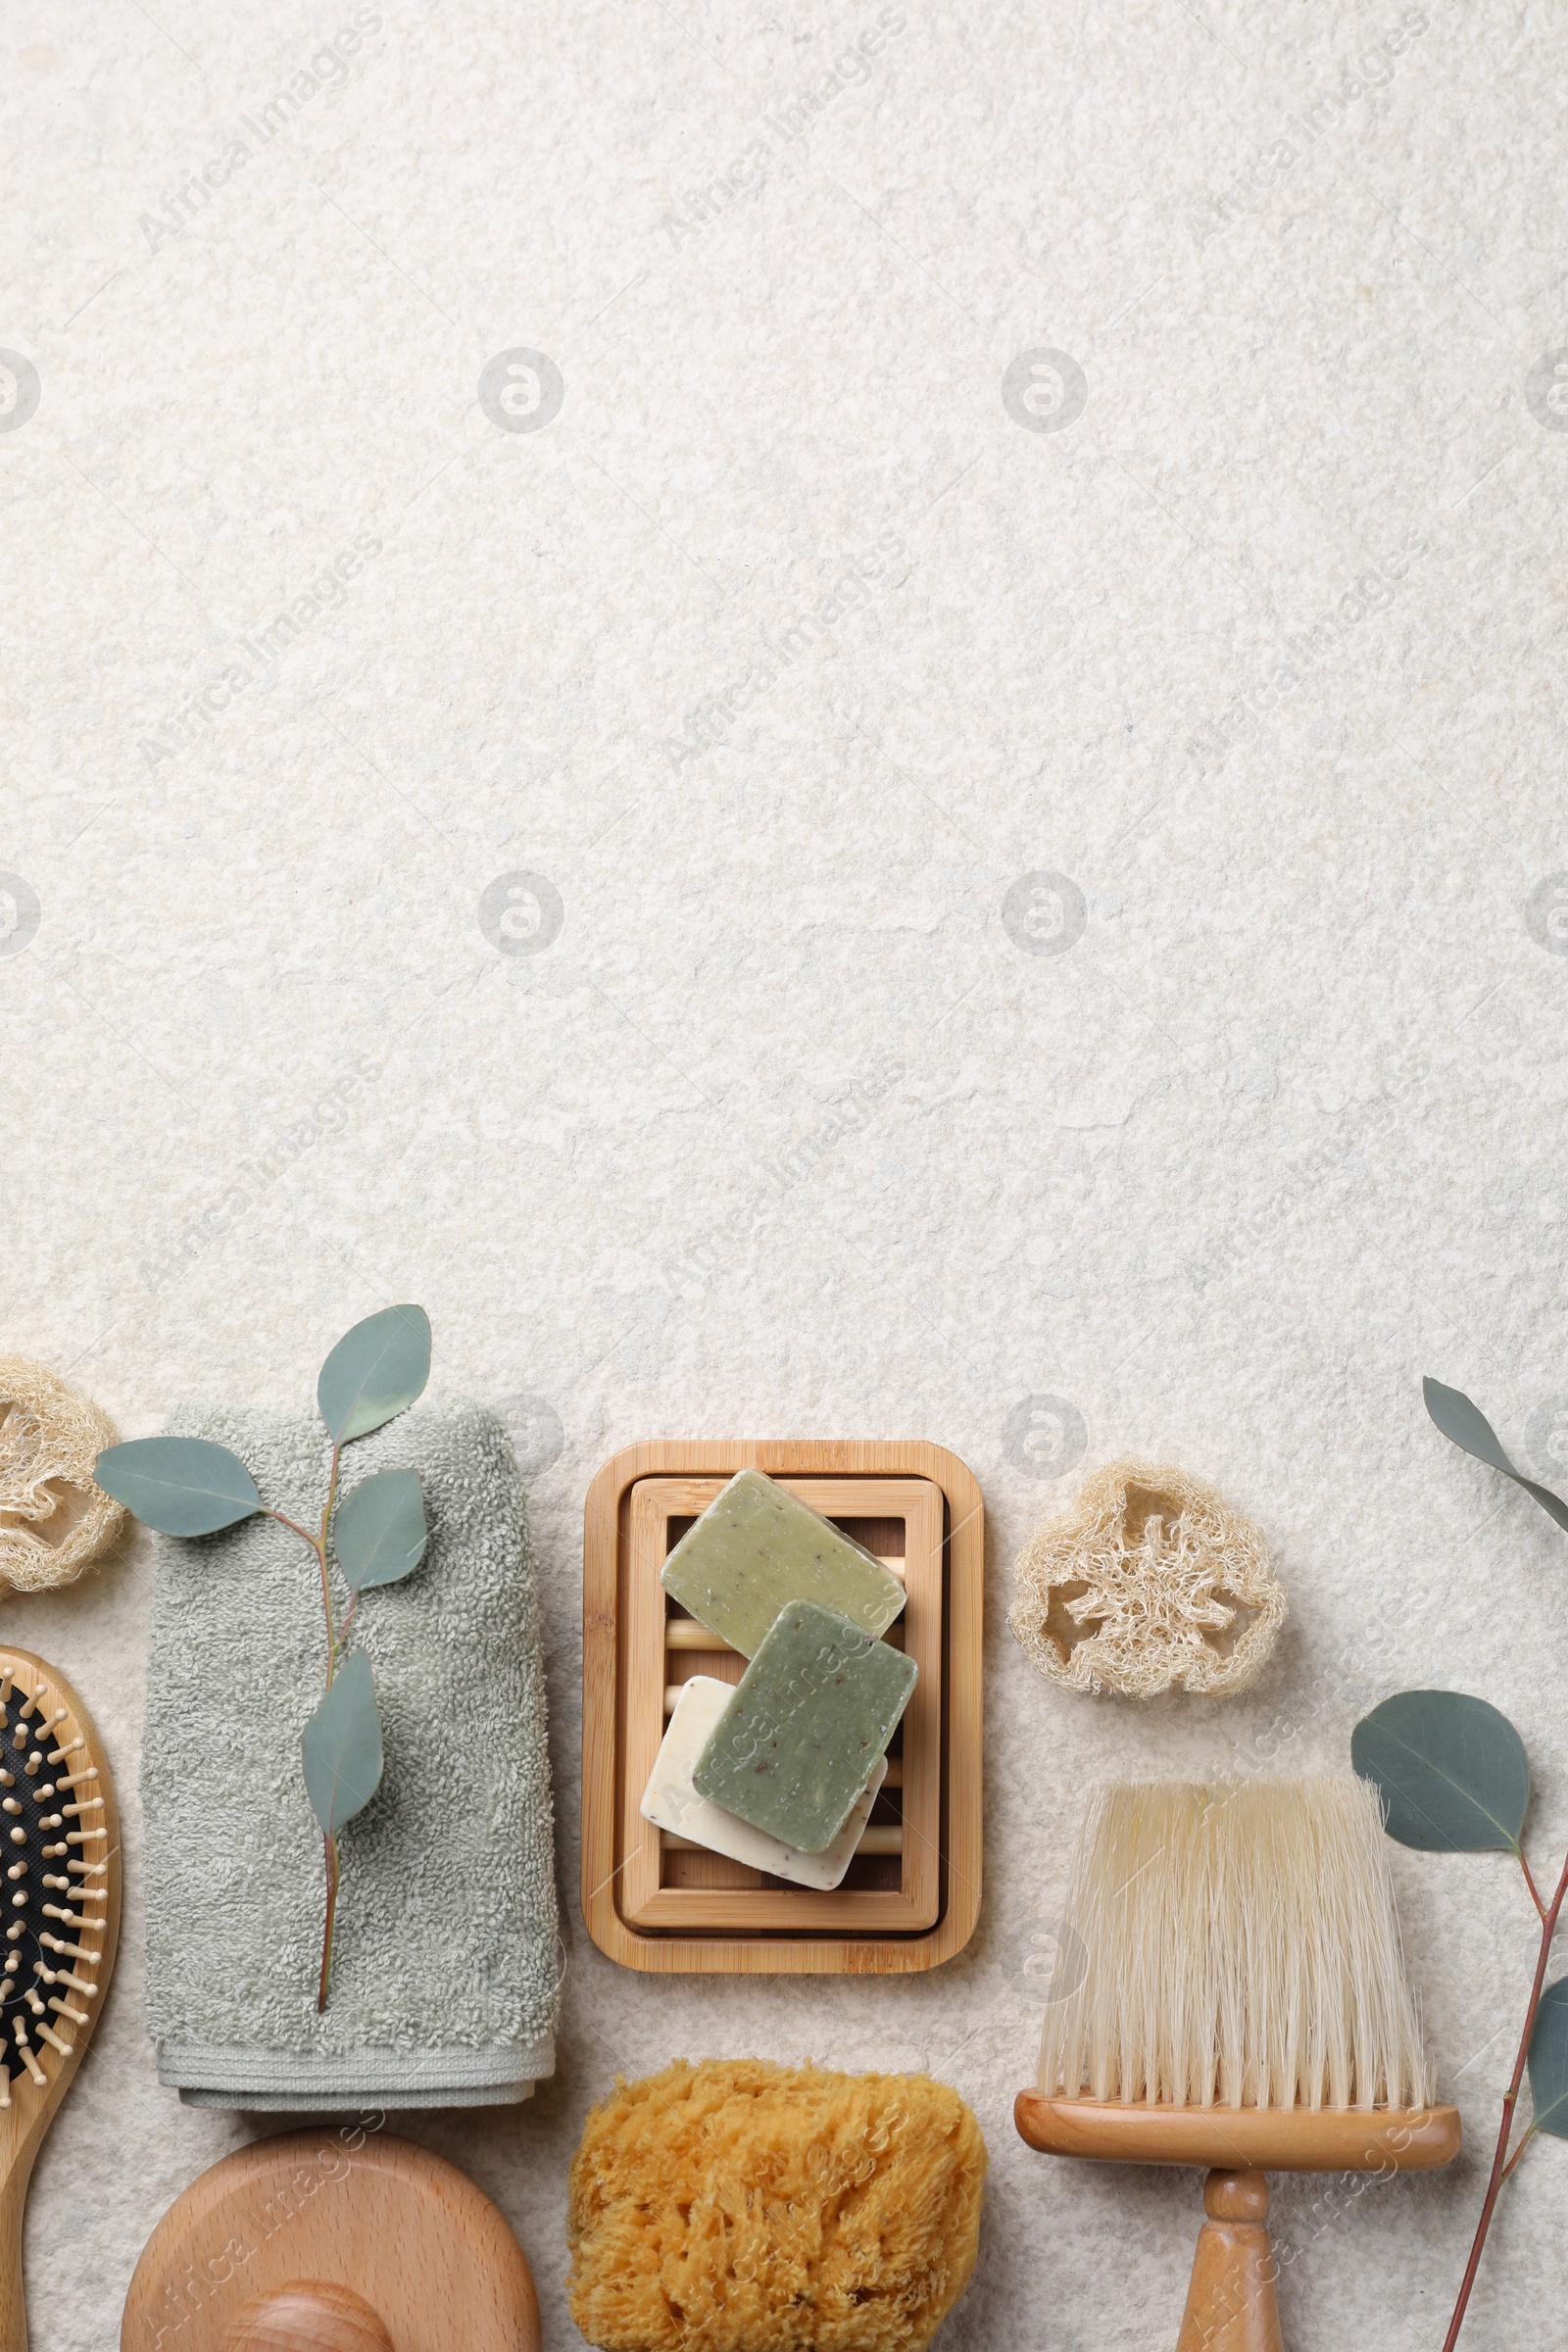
x=190, y=1486
x=1510, y=2101
x=336, y=1636
x=1455, y=1778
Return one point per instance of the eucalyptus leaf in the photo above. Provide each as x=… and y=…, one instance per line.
x=1451, y=1770
x=341, y=1746
x=380, y=1529
x=376, y=1370
x=1549, y=2061
x=180, y=1486
x=1466, y=1426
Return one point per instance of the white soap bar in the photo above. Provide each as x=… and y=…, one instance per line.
x=671, y=1801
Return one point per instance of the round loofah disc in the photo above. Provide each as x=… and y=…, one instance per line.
x=735, y=2205
x=1150, y=1581
x=53, y=1518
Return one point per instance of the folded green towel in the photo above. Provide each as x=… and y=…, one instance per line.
x=444, y=1965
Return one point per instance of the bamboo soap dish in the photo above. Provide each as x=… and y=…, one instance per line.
x=912, y=1895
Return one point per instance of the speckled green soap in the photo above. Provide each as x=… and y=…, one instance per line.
x=815, y=1709
x=754, y=1550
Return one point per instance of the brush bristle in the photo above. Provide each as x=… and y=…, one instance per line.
x=1235, y=1946
x=58, y=1880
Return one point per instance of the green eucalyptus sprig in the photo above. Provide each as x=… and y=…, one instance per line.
x=1454, y=1779
x=375, y=1533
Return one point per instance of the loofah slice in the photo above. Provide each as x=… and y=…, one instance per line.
x=1150, y=1581
x=53, y=1518
x=741, y=2207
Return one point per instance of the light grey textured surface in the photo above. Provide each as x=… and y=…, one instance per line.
x=785, y=1124
x=443, y=1962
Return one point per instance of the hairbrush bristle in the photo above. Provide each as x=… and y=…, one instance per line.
x=1235, y=1946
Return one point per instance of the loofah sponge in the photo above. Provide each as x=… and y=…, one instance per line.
x=53, y=1518
x=741, y=2207
x=1150, y=1580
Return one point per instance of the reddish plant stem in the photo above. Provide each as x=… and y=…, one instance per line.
x=335, y=1640
x=331, y=1668
x=326, y=1604
x=330, y=1843
x=1499, y=2173
x=318, y=1544
x=331, y=1487
x=320, y=1553
x=284, y=1520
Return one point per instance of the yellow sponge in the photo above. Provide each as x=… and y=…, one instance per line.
x=736, y=2205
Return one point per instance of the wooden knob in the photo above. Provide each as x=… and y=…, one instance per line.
x=1236, y=2196
x=309, y=2315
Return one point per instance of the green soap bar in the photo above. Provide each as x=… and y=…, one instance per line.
x=814, y=1710
x=755, y=1550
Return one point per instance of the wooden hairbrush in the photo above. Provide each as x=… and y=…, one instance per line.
x=1235, y=1997
x=58, y=1919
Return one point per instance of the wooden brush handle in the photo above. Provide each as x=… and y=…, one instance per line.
x=312, y=2315
x=13, y=2301
x=1231, y=2303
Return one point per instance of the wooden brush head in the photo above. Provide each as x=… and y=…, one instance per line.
x=59, y=1921
x=1274, y=2139
x=59, y=1890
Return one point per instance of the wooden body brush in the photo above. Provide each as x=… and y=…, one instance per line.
x=1233, y=1996
x=60, y=1900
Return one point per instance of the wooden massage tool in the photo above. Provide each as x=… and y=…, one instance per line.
x=331, y=2240
x=1231, y=2300
x=59, y=1884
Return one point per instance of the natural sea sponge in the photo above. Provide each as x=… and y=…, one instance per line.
x=1149, y=1580
x=53, y=1517
x=741, y=2207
